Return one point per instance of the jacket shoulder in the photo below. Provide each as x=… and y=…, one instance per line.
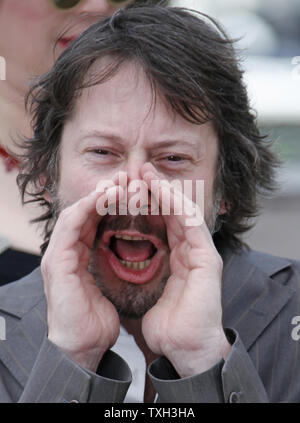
x=18, y=297
x=284, y=270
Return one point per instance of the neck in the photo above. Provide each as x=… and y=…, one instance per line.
x=134, y=328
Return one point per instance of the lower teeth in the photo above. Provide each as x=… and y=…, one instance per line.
x=137, y=265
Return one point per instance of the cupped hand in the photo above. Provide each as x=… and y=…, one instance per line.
x=185, y=325
x=81, y=321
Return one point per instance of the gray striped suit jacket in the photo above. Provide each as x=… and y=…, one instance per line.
x=260, y=296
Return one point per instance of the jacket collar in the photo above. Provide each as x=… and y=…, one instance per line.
x=251, y=297
x=25, y=318
x=18, y=302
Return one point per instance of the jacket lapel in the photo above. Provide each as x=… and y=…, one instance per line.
x=251, y=297
x=25, y=318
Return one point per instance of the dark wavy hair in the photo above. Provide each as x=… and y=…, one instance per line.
x=187, y=58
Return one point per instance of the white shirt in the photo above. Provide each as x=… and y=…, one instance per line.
x=127, y=348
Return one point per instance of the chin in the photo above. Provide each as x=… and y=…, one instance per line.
x=131, y=299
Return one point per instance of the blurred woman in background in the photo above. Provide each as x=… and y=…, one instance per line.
x=33, y=33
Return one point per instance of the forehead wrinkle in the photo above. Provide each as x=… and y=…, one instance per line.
x=107, y=69
x=131, y=78
x=157, y=109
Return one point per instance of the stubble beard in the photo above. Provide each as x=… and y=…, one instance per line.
x=132, y=301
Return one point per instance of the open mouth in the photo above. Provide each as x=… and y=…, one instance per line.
x=134, y=252
x=133, y=257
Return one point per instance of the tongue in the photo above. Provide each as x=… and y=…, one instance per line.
x=132, y=250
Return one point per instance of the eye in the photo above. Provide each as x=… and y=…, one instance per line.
x=103, y=155
x=174, y=158
x=173, y=162
x=101, y=152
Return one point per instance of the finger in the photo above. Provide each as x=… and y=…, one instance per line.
x=160, y=201
x=179, y=260
x=72, y=219
x=119, y=179
x=173, y=290
x=161, y=190
x=109, y=200
x=198, y=236
x=112, y=194
x=174, y=232
x=182, y=209
x=161, y=194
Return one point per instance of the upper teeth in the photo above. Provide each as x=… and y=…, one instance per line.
x=131, y=238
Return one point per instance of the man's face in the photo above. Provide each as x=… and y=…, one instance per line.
x=116, y=127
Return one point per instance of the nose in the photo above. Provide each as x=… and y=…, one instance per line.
x=135, y=184
x=133, y=166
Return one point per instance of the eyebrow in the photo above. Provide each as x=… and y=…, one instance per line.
x=102, y=134
x=118, y=139
x=171, y=143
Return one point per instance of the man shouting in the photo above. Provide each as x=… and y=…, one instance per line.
x=144, y=99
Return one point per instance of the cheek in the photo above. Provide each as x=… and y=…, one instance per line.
x=203, y=184
x=72, y=190
x=203, y=190
x=75, y=183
